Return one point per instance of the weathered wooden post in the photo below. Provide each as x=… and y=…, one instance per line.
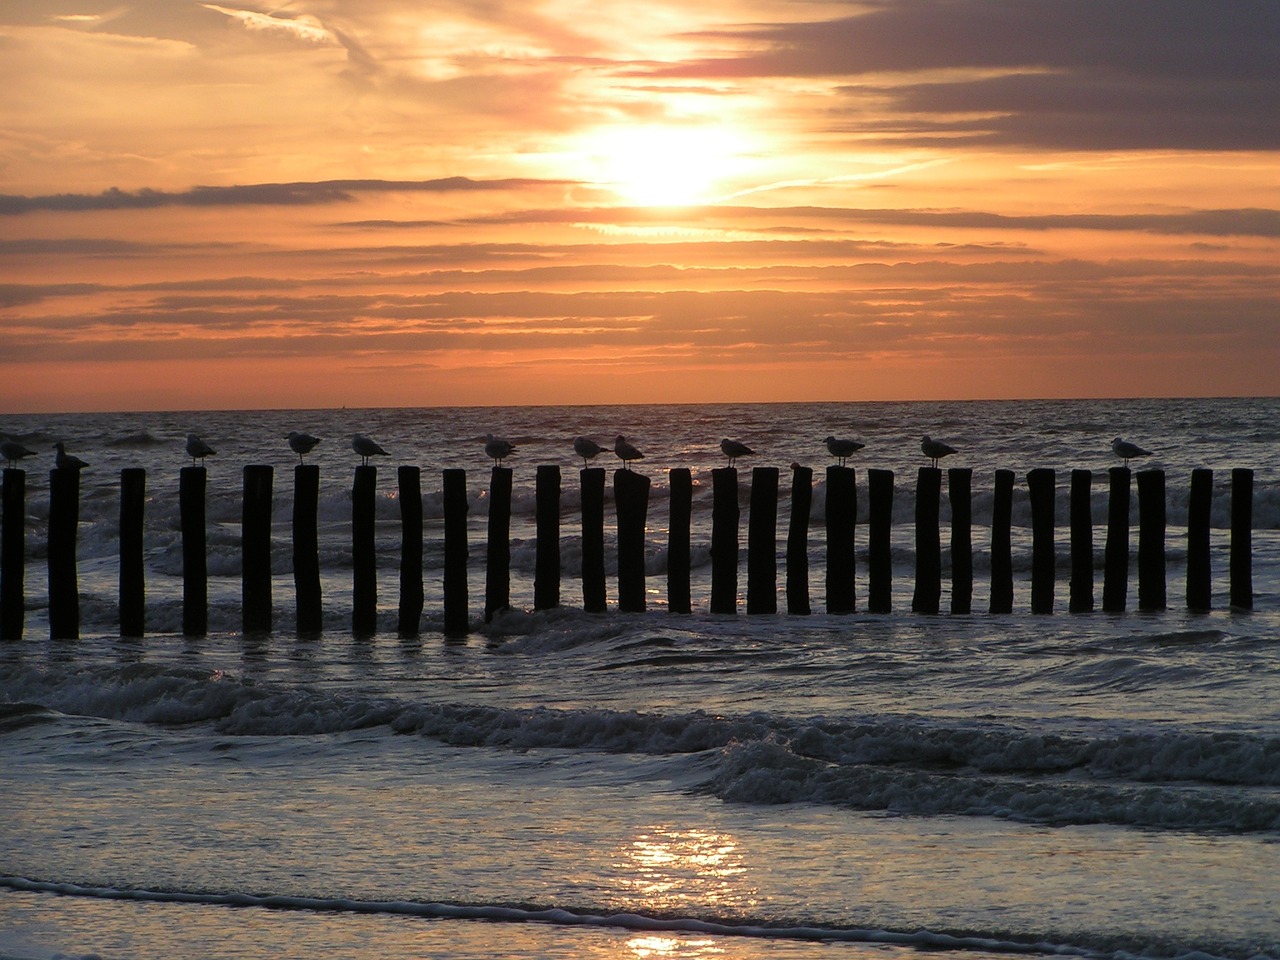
x=454, y=506
x=64, y=587
x=1151, y=531
x=679, y=599
x=133, y=604
x=1081, y=542
x=546, y=563
x=798, y=541
x=762, y=542
x=195, y=563
x=306, y=549
x=409, y=484
x=631, y=499
x=879, y=527
x=959, y=486
x=1002, y=543
x=1040, y=483
x=1199, y=507
x=725, y=514
x=1115, y=572
x=12, y=555
x=255, y=549
x=497, y=581
x=364, y=557
x=593, y=584
x=928, y=593
x=842, y=518
x=1242, y=538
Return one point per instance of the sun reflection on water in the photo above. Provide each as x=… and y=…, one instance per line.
x=667, y=869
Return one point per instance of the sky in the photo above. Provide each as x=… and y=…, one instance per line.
x=328, y=203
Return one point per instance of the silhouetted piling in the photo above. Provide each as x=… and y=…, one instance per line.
x=725, y=514
x=1002, y=543
x=959, y=486
x=133, y=601
x=1040, y=486
x=631, y=499
x=928, y=593
x=364, y=593
x=409, y=484
x=1199, y=507
x=1115, y=571
x=1151, y=532
x=255, y=549
x=195, y=563
x=546, y=563
x=593, y=583
x=1081, y=600
x=1242, y=538
x=762, y=542
x=798, y=541
x=306, y=549
x=879, y=528
x=12, y=555
x=454, y=506
x=679, y=599
x=842, y=517
x=497, y=581
x=64, y=587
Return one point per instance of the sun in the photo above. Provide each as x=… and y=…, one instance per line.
x=669, y=165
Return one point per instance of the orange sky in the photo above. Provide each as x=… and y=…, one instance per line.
x=390, y=202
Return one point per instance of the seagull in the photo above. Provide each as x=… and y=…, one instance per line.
x=13, y=451
x=626, y=451
x=935, y=450
x=842, y=450
x=586, y=448
x=66, y=461
x=197, y=449
x=301, y=443
x=734, y=449
x=366, y=448
x=1126, y=450
x=498, y=449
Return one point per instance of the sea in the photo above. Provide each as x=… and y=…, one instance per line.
x=649, y=784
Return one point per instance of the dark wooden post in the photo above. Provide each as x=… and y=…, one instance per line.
x=724, y=540
x=679, y=599
x=959, y=485
x=195, y=562
x=454, y=505
x=1151, y=530
x=762, y=542
x=1040, y=483
x=1199, y=507
x=879, y=527
x=842, y=518
x=1115, y=573
x=1002, y=543
x=64, y=587
x=1242, y=538
x=497, y=581
x=364, y=557
x=13, y=555
x=928, y=593
x=409, y=484
x=255, y=549
x=593, y=583
x=306, y=549
x=798, y=541
x=133, y=604
x=546, y=563
x=1081, y=542
x=631, y=499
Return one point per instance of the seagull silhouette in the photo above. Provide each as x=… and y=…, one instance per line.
x=935, y=450
x=66, y=461
x=842, y=450
x=366, y=448
x=197, y=449
x=497, y=449
x=625, y=451
x=734, y=449
x=586, y=448
x=301, y=443
x=13, y=451
x=1127, y=451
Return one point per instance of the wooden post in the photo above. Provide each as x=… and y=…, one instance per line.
x=546, y=576
x=798, y=541
x=1115, y=574
x=133, y=604
x=879, y=527
x=1199, y=507
x=409, y=484
x=364, y=557
x=1001, y=543
x=1040, y=483
x=762, y=542
x=724, y=540
x=497, y=581
x=593, y=584
x=928, y=593
x=1081, y=542
x=959, y=484
x=306, y=549
x=255, y=549
x=64, y=588
x=454, y=505
x=1151, y=530
x=13, y=555
x=631, y=499
x=1242, y=538
x=842, y=518
x=195, y=562
x=679, y=599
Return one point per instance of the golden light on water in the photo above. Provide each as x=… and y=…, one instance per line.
x=666, y=869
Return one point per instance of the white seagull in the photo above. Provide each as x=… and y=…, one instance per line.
x=734, y=449
x=935, y=450
x=1126, y=450
x=197, y=449
x=66, y=461
x=625, y=451
x=842, y=450
x=301, y=443
x=586, y=448
x=13, y=451
x=366, y=448
x=497, y=450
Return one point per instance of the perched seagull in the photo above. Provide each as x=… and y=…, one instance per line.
x=842, y=450
x=734, y=449
x=586, y=448
x=13, y=451
x=626, y=451
x=935, y=450
x=497, y=450
x=197, y=449
x=366, y=448
x=66, y=461
x=1126, y=450
x=301, y=443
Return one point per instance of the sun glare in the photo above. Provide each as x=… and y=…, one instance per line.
x=665, y=165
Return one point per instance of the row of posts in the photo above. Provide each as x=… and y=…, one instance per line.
x=631, y=498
